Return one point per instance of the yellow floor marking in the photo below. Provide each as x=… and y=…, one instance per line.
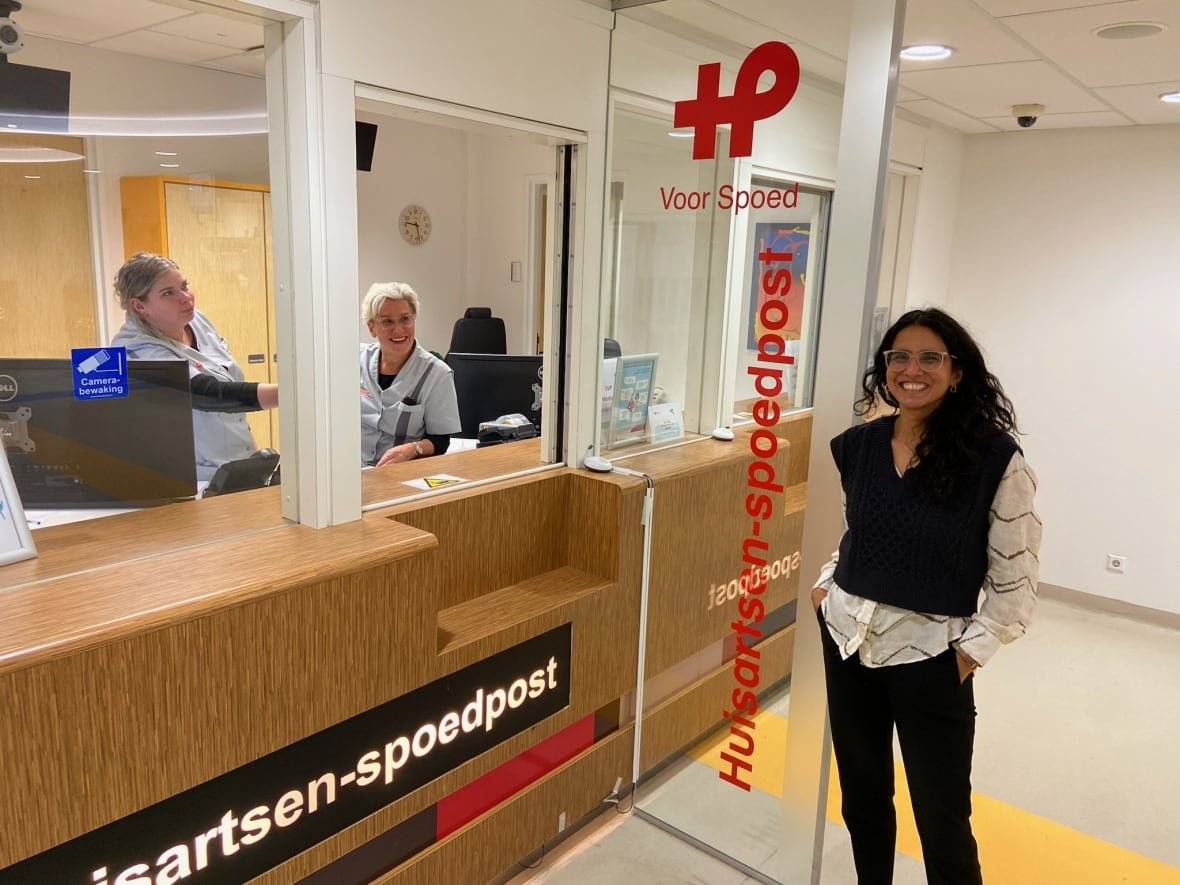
x=1016, y=847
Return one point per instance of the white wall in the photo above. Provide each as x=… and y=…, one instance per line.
x=416, y=163
x=475, y=187
x=1065, y=264
x=934, y=221
x=499, y=176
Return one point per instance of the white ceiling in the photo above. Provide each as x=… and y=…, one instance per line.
x=1007, y=51
x=156, y=30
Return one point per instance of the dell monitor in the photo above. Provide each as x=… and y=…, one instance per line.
x=490, y=385
x=131, y=451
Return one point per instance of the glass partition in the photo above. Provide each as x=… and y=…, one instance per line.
x=787, y=238
x=713, y=272
x=464, y=208
x=664, y=283
x=145, y=132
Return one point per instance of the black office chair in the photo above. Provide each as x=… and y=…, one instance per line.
x=477, y=331
x=610, y=348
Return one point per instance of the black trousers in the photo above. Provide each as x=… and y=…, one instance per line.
x=935, y=719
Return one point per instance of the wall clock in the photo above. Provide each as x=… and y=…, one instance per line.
x=414, y=225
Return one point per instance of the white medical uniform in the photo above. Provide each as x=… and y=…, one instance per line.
x=217, y=436
x=420, y=401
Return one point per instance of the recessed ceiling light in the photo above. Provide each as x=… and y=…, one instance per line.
x=169, y=165
x=682, y=132
x=165, y=153
x=37, y=155
x=1129, y=30
x=926, y=52
x=1170, y=97
x=32, y=176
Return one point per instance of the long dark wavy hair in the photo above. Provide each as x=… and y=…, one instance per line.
x=959, y=433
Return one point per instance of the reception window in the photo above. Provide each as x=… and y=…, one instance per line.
x=118, y=136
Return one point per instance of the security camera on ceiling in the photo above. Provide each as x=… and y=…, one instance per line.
x=1026, y=114
x=12, y=38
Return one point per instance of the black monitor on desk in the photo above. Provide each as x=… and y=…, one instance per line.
x=490, y=385
x=131, y=451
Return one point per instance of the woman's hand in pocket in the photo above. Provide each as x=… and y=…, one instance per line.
x=818, y=594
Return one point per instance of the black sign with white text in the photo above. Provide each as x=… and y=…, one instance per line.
x=246, y=821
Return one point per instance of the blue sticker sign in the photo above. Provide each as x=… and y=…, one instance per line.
x=99, y=372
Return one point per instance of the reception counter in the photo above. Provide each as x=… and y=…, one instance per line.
x=204, y=692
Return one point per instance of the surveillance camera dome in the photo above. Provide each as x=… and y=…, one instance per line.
x=1026, y=114
x=12, y=38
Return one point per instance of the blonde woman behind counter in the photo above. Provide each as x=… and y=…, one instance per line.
x=408, y=403
x=163, y=323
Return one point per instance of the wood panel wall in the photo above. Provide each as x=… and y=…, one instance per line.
x=47, y=297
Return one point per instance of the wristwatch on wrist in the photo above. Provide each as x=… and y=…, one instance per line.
x=419, y=452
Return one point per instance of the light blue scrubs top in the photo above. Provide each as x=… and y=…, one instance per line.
x=217, y=436
x=387, y=419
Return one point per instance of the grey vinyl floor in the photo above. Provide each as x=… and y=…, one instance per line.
x=1078, y=737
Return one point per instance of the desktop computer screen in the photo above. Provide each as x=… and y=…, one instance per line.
x=491, y=385
x=130, y=451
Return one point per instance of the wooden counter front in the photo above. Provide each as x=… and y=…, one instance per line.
x=127, y=681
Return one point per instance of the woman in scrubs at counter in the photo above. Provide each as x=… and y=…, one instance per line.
x=408, y=404
x=163, y=323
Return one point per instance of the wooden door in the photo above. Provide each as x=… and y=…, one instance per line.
x=217, y=236
x=47, y=298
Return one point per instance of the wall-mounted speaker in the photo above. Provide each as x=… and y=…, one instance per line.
x=366, y=140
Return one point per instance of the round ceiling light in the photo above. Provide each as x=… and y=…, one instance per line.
x=926, y=52
x=1129, y=30
x=1170, y=97
x=37, y=155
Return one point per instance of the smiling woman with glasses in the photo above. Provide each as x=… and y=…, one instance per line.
x=936, y=570
x=408, y=404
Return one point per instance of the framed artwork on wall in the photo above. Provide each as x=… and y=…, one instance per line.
x=782, y=238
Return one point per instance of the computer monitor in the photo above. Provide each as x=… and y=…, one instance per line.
x=131, y=451
x=490, y=385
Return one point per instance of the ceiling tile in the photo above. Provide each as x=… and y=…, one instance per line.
x=991, y=90
x=84, y=22
x=1064, y=121
x=904, y=94
x=164, y=46
x=250, y=63
x=1067, y=38
x=1023, y=7
x=932, y=110
x=214, y=29
x=814, y=61
x=977, y=38
x=1142, y=104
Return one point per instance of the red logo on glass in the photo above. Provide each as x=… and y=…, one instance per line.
x=745, y=107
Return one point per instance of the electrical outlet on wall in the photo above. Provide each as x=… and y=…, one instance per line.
x=1116, y=563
